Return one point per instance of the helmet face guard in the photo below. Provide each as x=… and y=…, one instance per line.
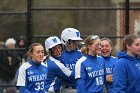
x=70, y=34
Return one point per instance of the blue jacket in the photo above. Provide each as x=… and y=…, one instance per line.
x=71, y=57
x=32, y=77
x=56, y=72
x=126, y=74
x=89, y=73
x=109, y=63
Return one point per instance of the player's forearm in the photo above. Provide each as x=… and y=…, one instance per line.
x=80, y=86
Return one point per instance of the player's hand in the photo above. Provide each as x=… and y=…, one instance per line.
x=109, y=78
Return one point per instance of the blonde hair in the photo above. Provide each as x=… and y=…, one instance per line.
x=31, y=49
x=88, y=41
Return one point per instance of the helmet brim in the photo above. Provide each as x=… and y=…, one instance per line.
x=78, y=38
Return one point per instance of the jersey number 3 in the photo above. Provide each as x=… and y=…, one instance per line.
x=39, y=86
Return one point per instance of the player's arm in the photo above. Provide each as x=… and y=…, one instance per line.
x=119, y=78
x=80, y=78
x=63, y=72
x=21, y=80
x=60, y=70
x=80, y=85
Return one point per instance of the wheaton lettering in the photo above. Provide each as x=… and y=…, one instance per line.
x=96, y=73
x=38, y=77
x=70, y=66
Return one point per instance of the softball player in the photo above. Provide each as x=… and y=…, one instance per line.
x=32, y=75
x=56, y=70
x=106, y=51
x=126, y=72
x=70, y=38
x=89, y=69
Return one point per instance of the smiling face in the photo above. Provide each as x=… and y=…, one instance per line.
x=93, y=49
x=56, y=50
x=37, y=53
x=106, y=48
x=72, y=45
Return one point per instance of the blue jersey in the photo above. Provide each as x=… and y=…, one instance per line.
x=56, y=72
x=126, y=74
x=89, y=74
x=70, y=59
x=32, y=77
x=109, y=63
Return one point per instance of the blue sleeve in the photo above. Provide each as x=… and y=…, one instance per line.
x=59, y=70
x=80, y=82
x=71, y=78
x=80, y=86
x=119, y=78
x=64, y=74
x=23, y=90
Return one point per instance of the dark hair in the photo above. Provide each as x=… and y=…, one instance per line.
x=31, y=49
x=128, y=40
x=88, y=41
x=23, y=39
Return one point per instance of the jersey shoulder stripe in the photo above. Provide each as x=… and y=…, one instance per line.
x=61, y=66
x=44, y=64
x=22, y=74
x=78, y=67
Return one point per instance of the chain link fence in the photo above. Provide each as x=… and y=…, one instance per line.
x=38, y=19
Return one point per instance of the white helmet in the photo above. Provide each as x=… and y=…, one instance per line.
x=70, y=34
x=51, y=42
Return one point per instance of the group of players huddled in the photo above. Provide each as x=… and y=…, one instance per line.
x=90, y=68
